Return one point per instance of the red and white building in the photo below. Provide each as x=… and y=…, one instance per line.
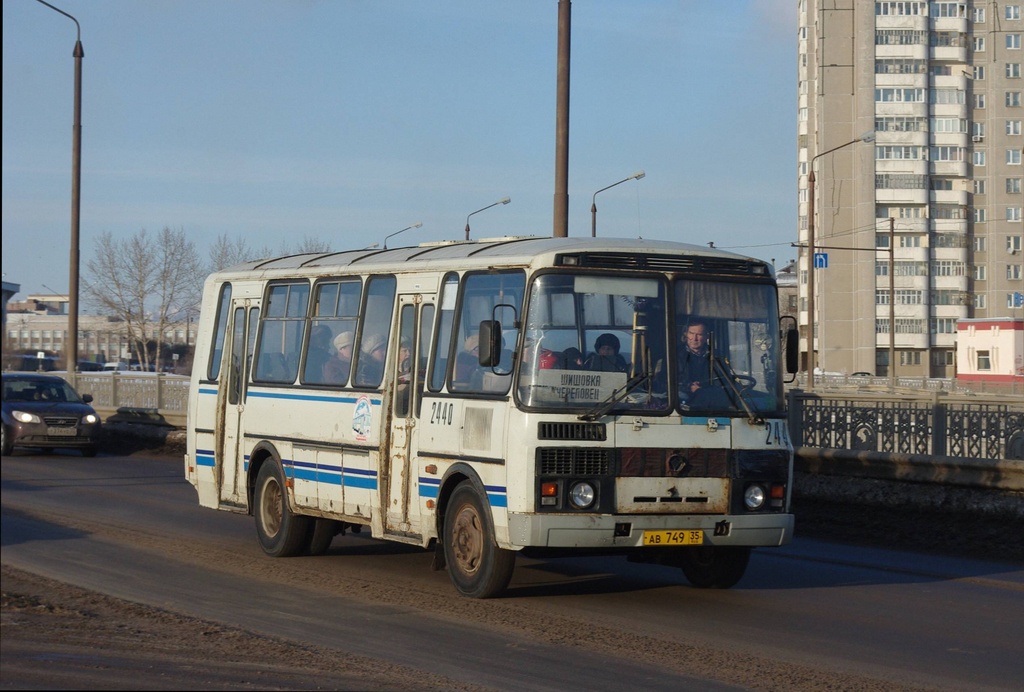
x=990, y=349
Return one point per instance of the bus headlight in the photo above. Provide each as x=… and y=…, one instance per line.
x=582, y=495
x=754, y=497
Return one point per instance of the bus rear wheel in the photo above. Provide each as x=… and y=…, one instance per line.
x=711, y=567
x=281, y=532
x=477, y=567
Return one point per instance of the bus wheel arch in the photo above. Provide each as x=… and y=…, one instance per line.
x=714, y=567
x=477, y=566
x=281, y=532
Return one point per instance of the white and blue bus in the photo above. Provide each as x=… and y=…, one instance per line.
x=486, y=398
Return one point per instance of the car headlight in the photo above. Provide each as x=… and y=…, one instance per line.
x=90, y=418
x=26, y=417
x=581, y=495
x=753, y=497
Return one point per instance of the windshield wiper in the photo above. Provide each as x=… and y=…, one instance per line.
x=615, y=397
x=736, y=394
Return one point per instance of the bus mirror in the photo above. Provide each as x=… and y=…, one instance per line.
x=490, y=343
x=792, y=343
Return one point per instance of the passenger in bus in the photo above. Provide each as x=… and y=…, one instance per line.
x=572, y=359
x=467, y=364
x=337, y=366
x=694, y=359
x=404, y=360
x=606, y=356
x=371, y=360
x=319, y=353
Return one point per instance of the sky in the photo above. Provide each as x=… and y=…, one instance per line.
x=345, y=121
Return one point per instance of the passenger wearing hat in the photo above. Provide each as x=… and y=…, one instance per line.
x=606, y=355
x=467, y=364
x=371, y=360
x=337, y=367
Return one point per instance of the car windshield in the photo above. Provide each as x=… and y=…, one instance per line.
x=597, y=344
x=32, y=389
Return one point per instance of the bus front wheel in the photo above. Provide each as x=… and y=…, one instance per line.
x=710, y=567
x=281, y=533
x=477, y=566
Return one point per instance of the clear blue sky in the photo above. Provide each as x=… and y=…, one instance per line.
x=349, y=120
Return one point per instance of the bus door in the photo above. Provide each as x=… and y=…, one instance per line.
x=231, y=397
x=415, y=320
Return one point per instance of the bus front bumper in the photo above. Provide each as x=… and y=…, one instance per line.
x=625, y=531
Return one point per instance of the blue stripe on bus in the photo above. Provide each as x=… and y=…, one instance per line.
x=309, y=397
x=205, y=457
x=497, y=495
x=703, y=420
x=332, y=475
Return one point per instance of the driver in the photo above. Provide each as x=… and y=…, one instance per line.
x=694, y=359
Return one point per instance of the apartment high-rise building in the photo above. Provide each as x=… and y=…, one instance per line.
x=910, y=116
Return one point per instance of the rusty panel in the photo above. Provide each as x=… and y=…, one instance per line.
x=672, y=495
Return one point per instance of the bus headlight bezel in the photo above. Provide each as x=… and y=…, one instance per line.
x=754, y=497
x=582, y=495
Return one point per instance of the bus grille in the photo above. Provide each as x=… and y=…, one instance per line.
x=574, y=461
x=585, y=432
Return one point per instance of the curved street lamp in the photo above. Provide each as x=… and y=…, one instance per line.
x=866, y=137
x=593, y=204
x=76, y=178
x=500, y=201
x=407, y=228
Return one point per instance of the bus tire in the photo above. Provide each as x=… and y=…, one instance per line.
x=321, y=534
x=711, y=567
x=477, y=567
x=281, y=532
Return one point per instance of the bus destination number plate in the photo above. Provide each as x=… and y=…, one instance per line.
x=688, y=537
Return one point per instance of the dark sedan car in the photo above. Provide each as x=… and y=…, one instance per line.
x=45, y=411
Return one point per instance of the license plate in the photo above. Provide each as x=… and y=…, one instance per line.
x=687, y=537
x=62, y=432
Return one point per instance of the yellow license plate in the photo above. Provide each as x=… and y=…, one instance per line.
x=687, y=537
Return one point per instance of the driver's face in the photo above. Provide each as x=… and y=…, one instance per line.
x=695, y=338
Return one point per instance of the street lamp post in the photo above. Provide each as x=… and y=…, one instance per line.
x=407, y=228
x=593, y=203
x=76, y=178
x=866, y=137
x=500, y=201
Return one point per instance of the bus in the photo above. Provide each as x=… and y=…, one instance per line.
x=487, y=398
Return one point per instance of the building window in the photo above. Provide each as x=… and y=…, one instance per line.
x=979, y=101
x=947, y=153
x=1013, y=127
x=910, y=240
x=984, y=362
x=1013, y=99
x=978, y=44
x=1013, y=243
x=1013, y=215
x=979, y=72
x=899, y=95
x=1013, y=42
x=980, y=272
x=1013, y=70
x=910, y=357
x=1013, y=186
x=1012, y=12
x=978, y=158
x=946, y=96
x=1013, y=157
x=978, y=15
x=980, y=244
x=1013, y=272
x=944, y=325
x=979, y=215
x=980, y=303
x=908, y=297
x=979, y=187
x=941, y=358
x=881, y=297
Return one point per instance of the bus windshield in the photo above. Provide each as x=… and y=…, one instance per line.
x=596, y=344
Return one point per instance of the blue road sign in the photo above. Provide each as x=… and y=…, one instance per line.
x=821, y=260
x=1018, y=299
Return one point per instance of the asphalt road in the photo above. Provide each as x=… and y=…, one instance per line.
x=812, y=615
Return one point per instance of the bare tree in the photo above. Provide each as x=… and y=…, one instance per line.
x=147, y=283
x=309, y=244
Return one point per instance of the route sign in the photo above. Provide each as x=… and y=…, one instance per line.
x=821, y=260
